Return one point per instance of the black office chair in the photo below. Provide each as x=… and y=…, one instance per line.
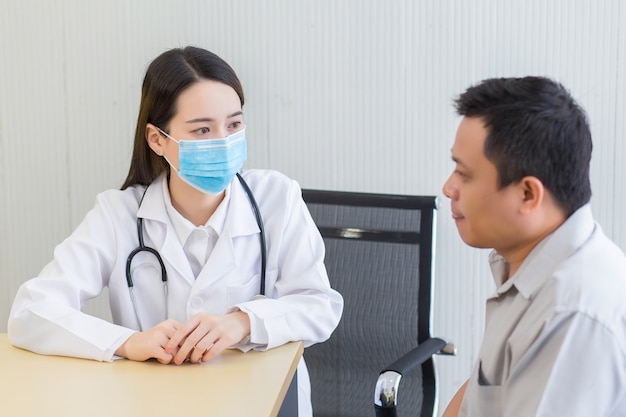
x=379, y=256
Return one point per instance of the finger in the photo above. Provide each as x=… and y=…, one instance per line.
x=170, y=327
x=196, y=351
x=208, y=337
x=173, y=353
x=180, y=334
x=163, y=357
x=199, y=351
x=186, y=350
x=216, y=349
x=158, y=350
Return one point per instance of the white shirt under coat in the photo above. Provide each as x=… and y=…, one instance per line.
x=46, y=315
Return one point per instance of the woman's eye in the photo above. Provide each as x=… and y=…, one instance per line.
x=203, y=131
x=235, y=125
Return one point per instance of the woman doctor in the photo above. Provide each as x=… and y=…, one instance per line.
x=196, y=215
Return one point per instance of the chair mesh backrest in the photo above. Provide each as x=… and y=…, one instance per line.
x=379, y=257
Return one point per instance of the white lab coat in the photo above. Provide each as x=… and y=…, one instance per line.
x=46, y=315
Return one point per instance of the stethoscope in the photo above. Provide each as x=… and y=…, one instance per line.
x=143, y=248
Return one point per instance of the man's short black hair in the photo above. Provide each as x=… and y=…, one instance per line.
x=535, y=128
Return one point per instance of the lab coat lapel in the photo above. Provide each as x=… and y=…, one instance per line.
x=221, y=261
x=158, y=234
x=240, y=221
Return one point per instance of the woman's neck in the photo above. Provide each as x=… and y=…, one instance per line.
x=192, y=204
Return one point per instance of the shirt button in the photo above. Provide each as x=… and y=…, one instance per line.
x=196, y=302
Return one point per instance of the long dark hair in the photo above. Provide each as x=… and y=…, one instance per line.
x=166, y=78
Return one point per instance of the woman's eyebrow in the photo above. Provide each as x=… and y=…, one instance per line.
x=208, y=119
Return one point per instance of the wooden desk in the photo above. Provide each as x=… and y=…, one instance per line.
x=234, y=384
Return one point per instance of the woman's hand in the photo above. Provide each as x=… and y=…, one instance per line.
x=151, y=343
x=205, y=336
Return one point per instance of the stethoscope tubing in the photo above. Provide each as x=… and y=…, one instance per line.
x=259, y=221
x=129, y=280
x=143, y=248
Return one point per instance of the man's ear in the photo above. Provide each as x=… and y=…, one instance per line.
x=155, y=139
x=533, y=193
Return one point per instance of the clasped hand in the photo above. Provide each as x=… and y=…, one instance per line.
x=200, y=339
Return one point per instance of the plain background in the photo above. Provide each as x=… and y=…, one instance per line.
x=340, y=94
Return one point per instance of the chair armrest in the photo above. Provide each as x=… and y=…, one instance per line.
x=386, y=392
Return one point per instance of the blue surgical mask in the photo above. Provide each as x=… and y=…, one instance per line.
x=210, y=164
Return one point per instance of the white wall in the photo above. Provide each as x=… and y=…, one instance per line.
x=340, y=94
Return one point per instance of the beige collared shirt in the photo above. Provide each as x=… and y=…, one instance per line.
x=555, y=335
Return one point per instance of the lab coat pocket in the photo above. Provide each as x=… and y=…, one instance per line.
x=245, y=292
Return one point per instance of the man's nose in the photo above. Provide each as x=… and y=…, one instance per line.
x=449, y=188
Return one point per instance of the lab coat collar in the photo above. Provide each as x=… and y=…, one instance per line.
x=239, y=221
x=163, y=238
x=184, y=228
x=240, y=218
x=153, y=204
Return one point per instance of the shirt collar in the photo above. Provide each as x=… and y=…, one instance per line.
x=235, y=217
x=183, y=227
x=544, y=258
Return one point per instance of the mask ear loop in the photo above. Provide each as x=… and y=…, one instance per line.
x=165, y=134
x=163, y=155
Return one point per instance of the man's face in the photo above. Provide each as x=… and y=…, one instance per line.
x=485, y=216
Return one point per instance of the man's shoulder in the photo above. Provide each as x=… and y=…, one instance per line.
x=598, y=257
x=592, y=281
